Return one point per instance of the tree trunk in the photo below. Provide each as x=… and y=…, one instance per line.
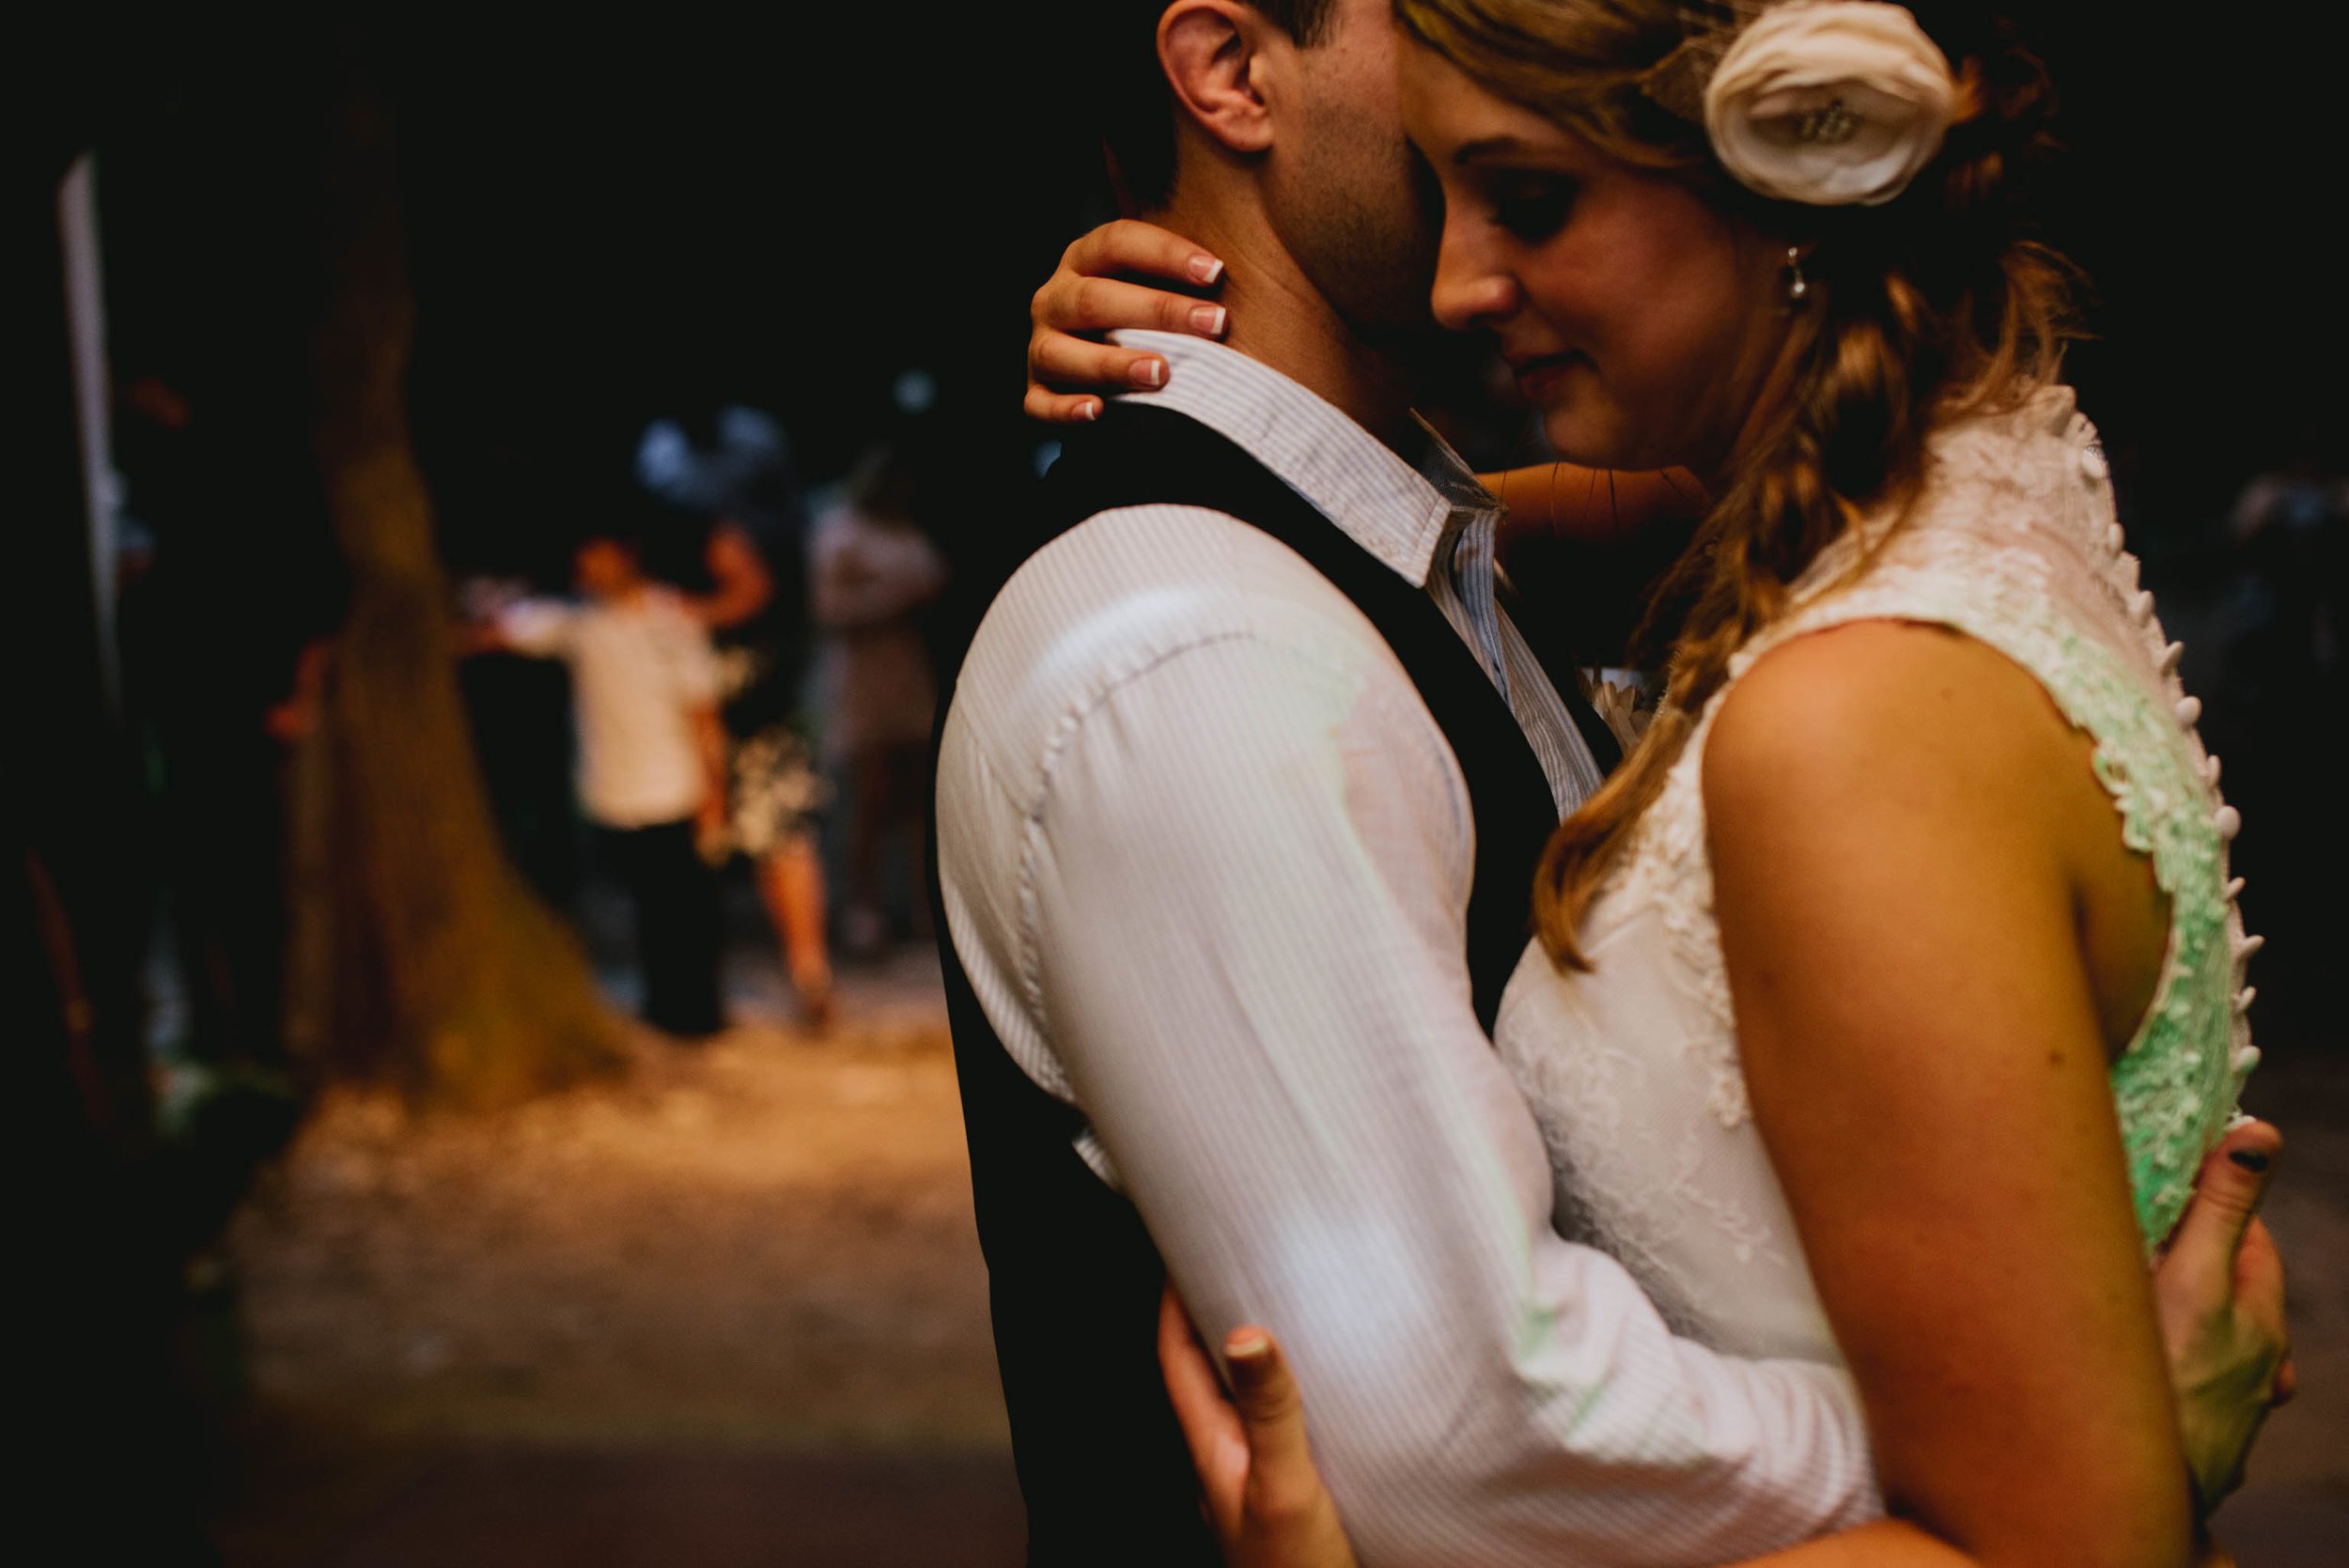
x=442, y=974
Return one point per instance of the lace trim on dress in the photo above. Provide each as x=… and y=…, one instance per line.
x=2015, y=544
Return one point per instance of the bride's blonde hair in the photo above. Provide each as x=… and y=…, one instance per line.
x=1931, y=305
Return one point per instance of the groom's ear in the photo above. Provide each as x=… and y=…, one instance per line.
x=1221, y=59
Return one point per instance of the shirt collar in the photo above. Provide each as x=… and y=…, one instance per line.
x=1394, y=507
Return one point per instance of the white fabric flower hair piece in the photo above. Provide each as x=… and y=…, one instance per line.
x=1829, y=102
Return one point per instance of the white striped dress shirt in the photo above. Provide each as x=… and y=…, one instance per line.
x=1207, y=859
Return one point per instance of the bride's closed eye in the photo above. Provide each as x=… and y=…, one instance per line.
x=1527, y=204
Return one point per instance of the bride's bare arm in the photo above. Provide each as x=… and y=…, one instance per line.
x=1928, y=921
x=1572, y=503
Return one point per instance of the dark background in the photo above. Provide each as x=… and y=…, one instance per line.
x=611, y=219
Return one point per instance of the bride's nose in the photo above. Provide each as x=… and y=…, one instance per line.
x=1471, y=288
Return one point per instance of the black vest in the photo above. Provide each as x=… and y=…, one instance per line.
x=1073, y=1277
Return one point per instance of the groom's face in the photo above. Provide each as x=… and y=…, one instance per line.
x=1348, y=193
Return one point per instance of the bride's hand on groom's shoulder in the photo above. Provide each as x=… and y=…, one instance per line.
x=1258, y=1486
x=1095, y=291
x=2220, y=1287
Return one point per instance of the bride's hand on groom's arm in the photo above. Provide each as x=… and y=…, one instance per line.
x=1068, y=364
x=1258, y=1485
x=2219, y=1292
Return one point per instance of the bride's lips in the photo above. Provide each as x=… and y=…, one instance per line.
x=1539, y=374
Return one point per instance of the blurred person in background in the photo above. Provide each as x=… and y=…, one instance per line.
x=874, y=571
x=228, y=585
x=736, y=536
x=651, y=759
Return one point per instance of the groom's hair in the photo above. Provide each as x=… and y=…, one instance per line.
x=1134, y=108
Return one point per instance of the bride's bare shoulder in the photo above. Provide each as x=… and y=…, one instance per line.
x=1880, y=715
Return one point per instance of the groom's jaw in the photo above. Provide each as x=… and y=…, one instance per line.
x=1290, y=162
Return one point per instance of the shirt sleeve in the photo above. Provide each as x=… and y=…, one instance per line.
x=540, y=627
x=1246, y=893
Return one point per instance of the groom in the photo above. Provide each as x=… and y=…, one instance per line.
x=1240, y=791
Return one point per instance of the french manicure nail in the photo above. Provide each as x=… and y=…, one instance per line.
x=1149, y=372
x=1207, y=320
x=1088, y=410
x=2250, y=1159
x=1246, y=1349
x=1205, y=269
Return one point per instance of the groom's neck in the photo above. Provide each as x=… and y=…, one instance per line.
x=1280, y=319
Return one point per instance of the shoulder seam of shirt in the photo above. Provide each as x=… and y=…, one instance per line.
x=1064, y=730
x=1017, y=582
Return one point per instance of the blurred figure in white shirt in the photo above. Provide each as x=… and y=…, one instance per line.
x=651, y=761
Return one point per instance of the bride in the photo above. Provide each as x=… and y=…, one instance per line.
x=1885, y=1004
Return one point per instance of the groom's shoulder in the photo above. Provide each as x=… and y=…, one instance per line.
x=1135, y=585
x=1122, y=599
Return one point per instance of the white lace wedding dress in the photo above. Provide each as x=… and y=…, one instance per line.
x=1632, y=1069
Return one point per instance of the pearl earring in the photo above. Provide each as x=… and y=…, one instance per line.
x=1798, y=286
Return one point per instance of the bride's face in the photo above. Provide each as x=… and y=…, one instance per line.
x=1640, y=319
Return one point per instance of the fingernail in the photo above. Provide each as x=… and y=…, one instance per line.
x=1208, y=319
x=1088, y=410
x=2250, y=1159
x=1205, y=269
x=1149, y=372
x=1246, y=1347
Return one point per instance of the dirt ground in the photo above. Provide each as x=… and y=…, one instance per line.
x=750, y=1271
x=733, y=1312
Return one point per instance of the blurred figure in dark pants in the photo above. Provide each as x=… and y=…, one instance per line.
x=733, y=537
x=651, y=761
